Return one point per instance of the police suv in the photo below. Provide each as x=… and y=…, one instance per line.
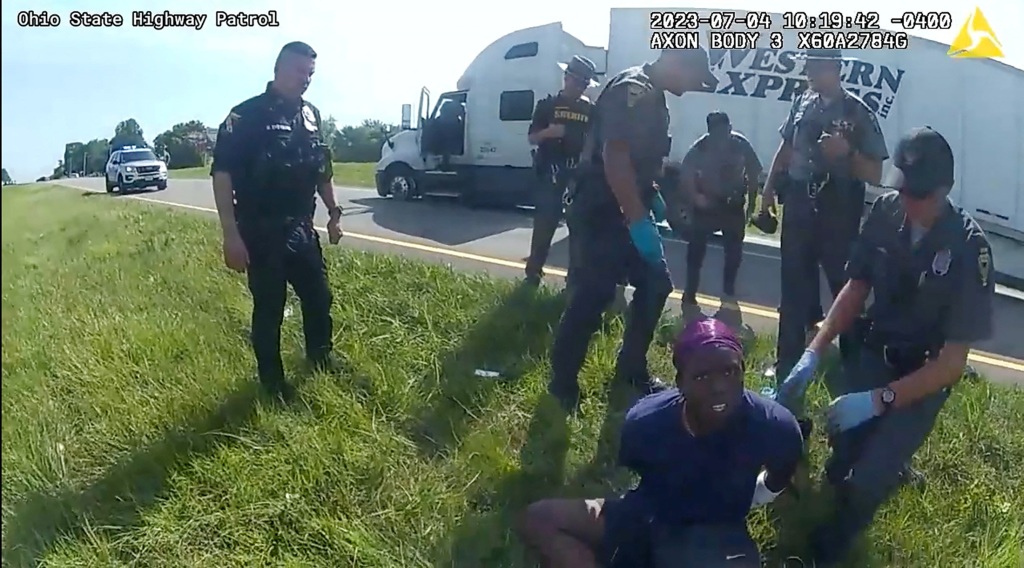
x=131, y=167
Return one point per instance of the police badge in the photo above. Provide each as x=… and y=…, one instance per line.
x=308, y=118
x=940, y=263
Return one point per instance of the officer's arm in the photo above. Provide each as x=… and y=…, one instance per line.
x=849, y=304
x=870, y=151
x=228, y=158
x=325, y=185
x=752, y=165
x=784, y=153
x=970, y=320
x=541, y=120
x=690, y=168
x=621, y=123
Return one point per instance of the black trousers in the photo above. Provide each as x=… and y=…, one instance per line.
x=282, y=252
x=812, y=237
x=732, y=221
x=607, y=258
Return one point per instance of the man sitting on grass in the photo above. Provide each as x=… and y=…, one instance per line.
x=706, y=452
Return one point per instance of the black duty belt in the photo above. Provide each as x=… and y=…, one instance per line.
x=904, y=358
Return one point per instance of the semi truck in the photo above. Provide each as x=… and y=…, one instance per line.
x=480, y=152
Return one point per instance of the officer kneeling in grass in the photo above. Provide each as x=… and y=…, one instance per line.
x=706, y=452
x=930, y=267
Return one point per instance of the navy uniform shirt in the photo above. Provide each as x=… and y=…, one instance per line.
x=809, y=117
x=275, y=153
x=929, y=287
x=707, y=479
x=631, y=109
x=574, y=114
x=722, y=166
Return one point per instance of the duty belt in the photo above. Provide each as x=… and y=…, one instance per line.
x=904, y=358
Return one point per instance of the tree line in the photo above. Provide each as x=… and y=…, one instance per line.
x=190, y=144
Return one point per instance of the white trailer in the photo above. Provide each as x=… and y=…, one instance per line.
x=977, y=104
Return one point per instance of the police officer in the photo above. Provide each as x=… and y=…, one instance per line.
x=559, y=125
x=720, y=172
x=930, y=267
x=269, y=162
x=831, y=146
x=611, y=203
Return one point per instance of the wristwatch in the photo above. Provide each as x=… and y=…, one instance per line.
x=887, y=396
x=335, y=212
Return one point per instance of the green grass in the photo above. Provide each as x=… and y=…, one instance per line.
x=132, y=434
x=345, y=173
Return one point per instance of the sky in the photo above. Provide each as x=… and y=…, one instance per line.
x=66, y=84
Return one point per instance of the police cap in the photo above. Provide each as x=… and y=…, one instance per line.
x=718, y=118
x=924, y=163
x=698, y=59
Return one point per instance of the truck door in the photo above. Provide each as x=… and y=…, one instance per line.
x=444, y=131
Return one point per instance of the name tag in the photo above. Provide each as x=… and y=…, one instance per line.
x=280, y=127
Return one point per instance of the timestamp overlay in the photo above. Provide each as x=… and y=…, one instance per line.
x=823, y=30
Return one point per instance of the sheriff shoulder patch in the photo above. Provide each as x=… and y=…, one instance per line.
x=634, y=93
x=984, y=265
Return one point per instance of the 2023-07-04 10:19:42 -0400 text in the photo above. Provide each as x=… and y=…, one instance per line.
x=149, y=19
x=808, y=39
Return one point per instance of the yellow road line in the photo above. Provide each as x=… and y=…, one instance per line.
x=975, y=356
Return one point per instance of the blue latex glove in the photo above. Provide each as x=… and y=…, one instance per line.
x=647, y=240
x=658, y=208
x=791, y=393
x=850, y=410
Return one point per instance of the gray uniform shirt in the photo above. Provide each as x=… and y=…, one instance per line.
x=722, y=165
x=810, y=116
x=632, y=110
x=937, y=290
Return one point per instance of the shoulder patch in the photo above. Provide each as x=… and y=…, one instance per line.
x=229, y=121
x=635, y=92
x=585, y=98
x=984, y=264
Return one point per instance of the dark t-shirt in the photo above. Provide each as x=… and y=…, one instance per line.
x=707, y=479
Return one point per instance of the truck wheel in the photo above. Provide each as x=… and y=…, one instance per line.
x=400, y=183
x=161, y=186
x=107, y=184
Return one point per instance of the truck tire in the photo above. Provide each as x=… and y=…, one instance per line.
x=107, y=184
x=399, y=183
x=120, y=184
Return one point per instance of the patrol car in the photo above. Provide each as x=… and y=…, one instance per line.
x=131, y=167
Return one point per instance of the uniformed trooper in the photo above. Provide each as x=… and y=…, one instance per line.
x=269, y=163
x=559, y=124
x=831, y=146
x=611, y=204
x=930, y=267
x=721, y=173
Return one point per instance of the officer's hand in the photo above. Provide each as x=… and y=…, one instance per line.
x=834, y=146
x=791, y=393
x=556, y=130
x=334, y=231
x=658, y=208
x=647, y=240
x=236, y=256
x=851, y=410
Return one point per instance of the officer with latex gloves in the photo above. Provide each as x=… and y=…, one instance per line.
x=831, y=146
x=559, y=125
x=611, y=204
x=930, y=267
x=269, y=163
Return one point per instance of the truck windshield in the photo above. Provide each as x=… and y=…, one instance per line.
x=137, y=156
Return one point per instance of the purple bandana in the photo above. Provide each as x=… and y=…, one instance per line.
x=701, y=334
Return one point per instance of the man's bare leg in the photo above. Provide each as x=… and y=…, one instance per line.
x=564, y=533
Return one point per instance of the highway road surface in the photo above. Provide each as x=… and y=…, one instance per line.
x=498, y=242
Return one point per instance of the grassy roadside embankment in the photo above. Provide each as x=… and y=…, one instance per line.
x=132, y=434
x=345, y=174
